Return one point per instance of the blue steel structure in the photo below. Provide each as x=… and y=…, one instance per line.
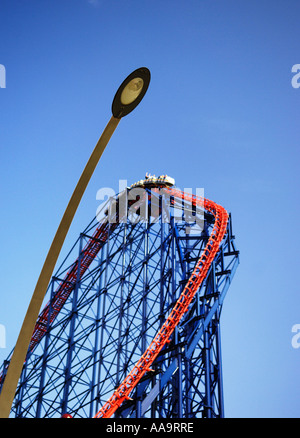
x=114, y=308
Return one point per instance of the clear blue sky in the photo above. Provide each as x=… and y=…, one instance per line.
x=220, y=113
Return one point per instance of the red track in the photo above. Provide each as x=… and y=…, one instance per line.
x=162, y=338
x=67, y=285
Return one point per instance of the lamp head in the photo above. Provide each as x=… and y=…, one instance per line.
x=131, y=92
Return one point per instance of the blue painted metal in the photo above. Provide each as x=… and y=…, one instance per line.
x=113, y=313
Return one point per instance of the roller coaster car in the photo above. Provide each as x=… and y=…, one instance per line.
x=153, y=181
x=150, y=181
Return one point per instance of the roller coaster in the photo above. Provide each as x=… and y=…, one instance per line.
x=132, y=326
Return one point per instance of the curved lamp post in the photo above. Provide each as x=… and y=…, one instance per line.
x=128, y=96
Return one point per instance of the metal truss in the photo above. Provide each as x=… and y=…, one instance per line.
x=105, y=308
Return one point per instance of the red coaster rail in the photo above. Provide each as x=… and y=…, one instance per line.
x=67, y=285
x=197, y=277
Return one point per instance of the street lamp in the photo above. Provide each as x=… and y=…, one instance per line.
x=128, y=96
x=131, y=92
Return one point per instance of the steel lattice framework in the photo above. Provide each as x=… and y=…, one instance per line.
x=106, y=307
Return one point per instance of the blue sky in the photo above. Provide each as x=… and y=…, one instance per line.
x=220, y=113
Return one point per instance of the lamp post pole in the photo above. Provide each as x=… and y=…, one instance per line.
x=128, y=96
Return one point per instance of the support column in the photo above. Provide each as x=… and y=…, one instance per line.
x=45, y=354
x=71, y=345
x=94, y=405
